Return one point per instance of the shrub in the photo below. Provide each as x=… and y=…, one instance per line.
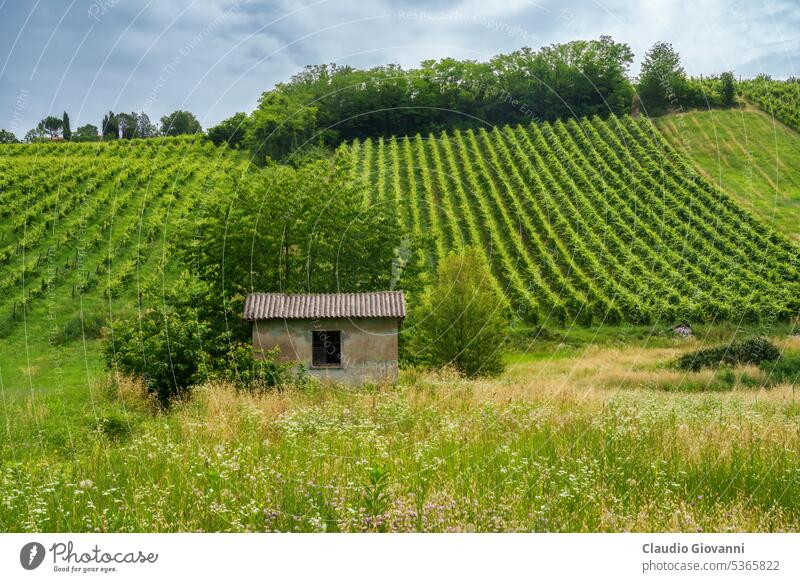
x=185, y=342
x=725, y=377
x=88, y=326
x=785, y=370
x=114, y=425
x=247, y=372
x=163, y=347
x=461, y=320
x=757, y=350
x=751, y=351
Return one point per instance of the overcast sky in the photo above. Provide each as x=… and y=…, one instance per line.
x=215, y=57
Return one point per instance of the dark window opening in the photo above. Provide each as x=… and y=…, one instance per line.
x=326, y=348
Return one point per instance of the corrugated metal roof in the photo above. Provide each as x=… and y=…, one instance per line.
x=324, y=305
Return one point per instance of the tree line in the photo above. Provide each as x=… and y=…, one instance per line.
x=327, y=104
x=114, y=126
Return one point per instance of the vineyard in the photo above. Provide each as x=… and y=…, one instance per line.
x=586, y=221
x=83, y=226
x=780, y=99
x=590, y=221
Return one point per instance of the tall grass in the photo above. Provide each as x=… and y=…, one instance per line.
x=435, y=453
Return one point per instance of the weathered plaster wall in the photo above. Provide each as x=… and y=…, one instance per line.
x=369, y=346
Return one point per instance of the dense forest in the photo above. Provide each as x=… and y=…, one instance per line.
x=325, y=105
x=328, y=104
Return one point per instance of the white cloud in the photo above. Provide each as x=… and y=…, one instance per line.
x=256, y=44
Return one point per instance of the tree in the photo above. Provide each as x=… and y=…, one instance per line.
x=127, y=125
x=179, y=123
x=279, y=126
x=51, y=127
x=230, y=131
x=162, y=346
x=728, y=90
x=295, y=230
x=662, y=81
x=85, y=133
x=135, y=125
x=35, y=134
x=7, y=137
x=461, y=320
x=110, y=126
x=144, y=127
x=65, y=127
x=182, y=342
x=329, y=104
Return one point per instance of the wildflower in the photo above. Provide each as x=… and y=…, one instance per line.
x=86, y=484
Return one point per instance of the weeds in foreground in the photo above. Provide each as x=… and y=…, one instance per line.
x=433, y=454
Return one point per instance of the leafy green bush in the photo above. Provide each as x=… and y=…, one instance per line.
x=785, y=370
x=114, y=425
x=163, y=347
x=757, y=350
x=750, y=351
x=248, y=372
x=726, y=377
x=462, y=320
x=87, y=326
x=185, y=342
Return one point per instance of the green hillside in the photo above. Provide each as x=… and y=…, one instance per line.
x=587, y=221
x=749, y=155
x=82, y=227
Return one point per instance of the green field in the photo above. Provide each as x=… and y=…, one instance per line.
x=587, y=221
x=83, y=228
x=595, y=436
x=750, y=155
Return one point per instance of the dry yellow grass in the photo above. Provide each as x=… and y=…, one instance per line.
x=584, y=385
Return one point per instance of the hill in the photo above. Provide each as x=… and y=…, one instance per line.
x=592, y=221
x=589, y=221
x=82, y=227
x=751, y=156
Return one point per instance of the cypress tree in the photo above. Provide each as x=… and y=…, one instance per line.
x=67, y=132
x=110, y=128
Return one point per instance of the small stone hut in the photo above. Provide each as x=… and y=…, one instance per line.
x=345, y=337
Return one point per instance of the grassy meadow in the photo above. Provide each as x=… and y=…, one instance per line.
x=587, y=430
x=750, y=155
